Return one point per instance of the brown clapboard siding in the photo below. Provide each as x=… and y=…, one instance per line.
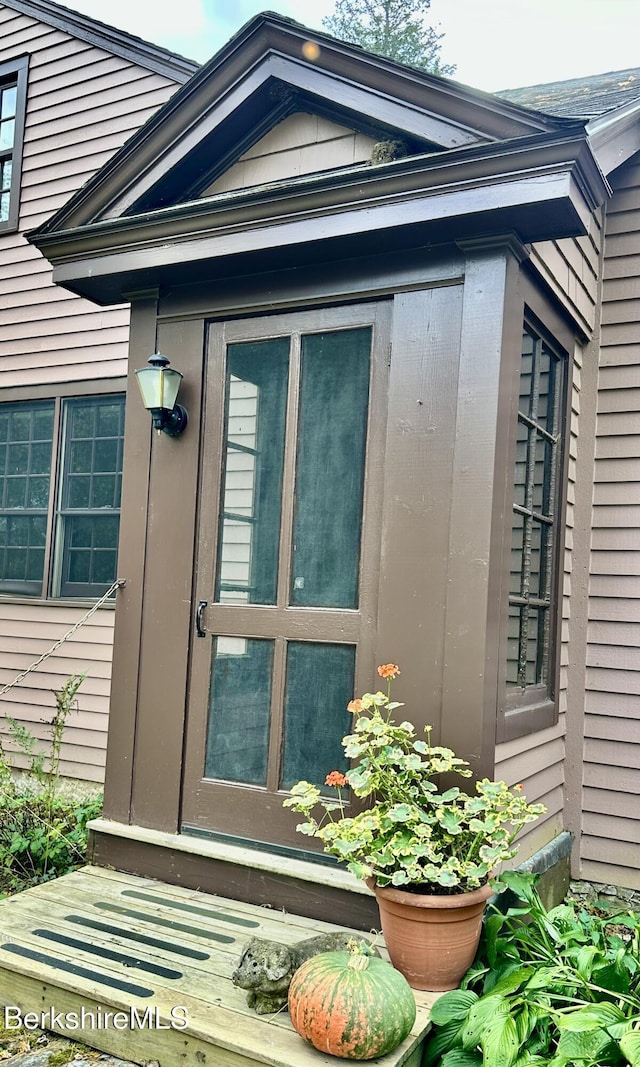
x=32, y=702
x=83, y=103
x=614, y=680
x=609, y=632
x=571, y=268
x=611, y=514
x=540, y=770
x=82, y=97
x=605, y=802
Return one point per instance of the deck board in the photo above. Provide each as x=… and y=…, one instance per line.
x=100, y=941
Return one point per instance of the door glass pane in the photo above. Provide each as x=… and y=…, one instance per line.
x=320, y=680
x=334, y=398
x=249, y=534
x=239, y=704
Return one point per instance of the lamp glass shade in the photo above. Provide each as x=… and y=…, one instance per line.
x=159, y=387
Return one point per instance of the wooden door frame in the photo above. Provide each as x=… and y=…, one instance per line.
x=279, y=623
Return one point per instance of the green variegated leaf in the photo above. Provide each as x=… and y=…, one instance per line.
x=591, y=1017
x=479, y=1018
x=589, y=1046
x=584, y=960
x=454, y=1005
x=445, y=1038
x=460, y=1058
x=512, y=981
x=612, y=976
x=400, y=812
x=542, y=978
x=630, y=1047
x=499, y=1041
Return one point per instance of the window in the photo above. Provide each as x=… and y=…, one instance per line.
x=13, y=92
x=537, y=511
x=60, y=507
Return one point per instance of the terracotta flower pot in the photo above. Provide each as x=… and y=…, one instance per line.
x=431, y=940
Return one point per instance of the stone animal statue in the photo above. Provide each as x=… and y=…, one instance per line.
x=266, y=968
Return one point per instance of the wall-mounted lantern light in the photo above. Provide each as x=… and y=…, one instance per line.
x=159, y=386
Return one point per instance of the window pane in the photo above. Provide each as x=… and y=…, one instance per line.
x=320, y=680
x=239, y=710
x=537, y=574
x=249, y=534
x=80, y=457
x=8, y=102
x=534, y=648
x=79, y=567
x=38, y=492
x=26, y=431
x=78, y=491
x=520, y=477
x=103, y=493
x=513, y=644
x=517, y=545
x=16, y=492
x=334, y=399
x=7, y=134
x=546, y=390
x=92, y=467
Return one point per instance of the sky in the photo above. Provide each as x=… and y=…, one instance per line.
x=496, y=44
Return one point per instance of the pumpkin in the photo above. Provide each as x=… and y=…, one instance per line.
x=351, y=1005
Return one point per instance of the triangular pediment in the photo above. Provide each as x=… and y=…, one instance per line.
x=276, y=81
x=300, y=144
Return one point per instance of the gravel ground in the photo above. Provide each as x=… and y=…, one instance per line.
x=35, y=1048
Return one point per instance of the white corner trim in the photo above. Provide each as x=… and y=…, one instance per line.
x=243, y=857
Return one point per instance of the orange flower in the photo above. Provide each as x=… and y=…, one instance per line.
x=336, y=778
x=388, y=670
x=355, y=705
x=518, y=787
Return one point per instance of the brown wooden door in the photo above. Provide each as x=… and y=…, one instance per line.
x=287, y=562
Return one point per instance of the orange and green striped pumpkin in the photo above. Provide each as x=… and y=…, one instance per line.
x=351, y=1005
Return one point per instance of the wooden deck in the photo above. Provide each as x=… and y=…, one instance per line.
x=102, y=942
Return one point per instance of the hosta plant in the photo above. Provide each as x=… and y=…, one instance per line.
x=412, y=834
x=557, y=988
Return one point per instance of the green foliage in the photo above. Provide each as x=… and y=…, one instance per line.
x=42, y=833
x=559, y=988
x=397, y=29
x=412, y=834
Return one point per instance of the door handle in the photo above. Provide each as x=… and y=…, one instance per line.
x=199, y=630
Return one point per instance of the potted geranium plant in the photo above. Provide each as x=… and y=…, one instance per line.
x=427, y=854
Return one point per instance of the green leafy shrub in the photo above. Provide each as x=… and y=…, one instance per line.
x=558, y=988
x=40, y=839
x=42, y=832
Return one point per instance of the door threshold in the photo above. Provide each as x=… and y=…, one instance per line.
x=241, y=856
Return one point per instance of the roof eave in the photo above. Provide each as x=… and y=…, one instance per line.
x=538, y=191
x=152, y=57
x=615, y=136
